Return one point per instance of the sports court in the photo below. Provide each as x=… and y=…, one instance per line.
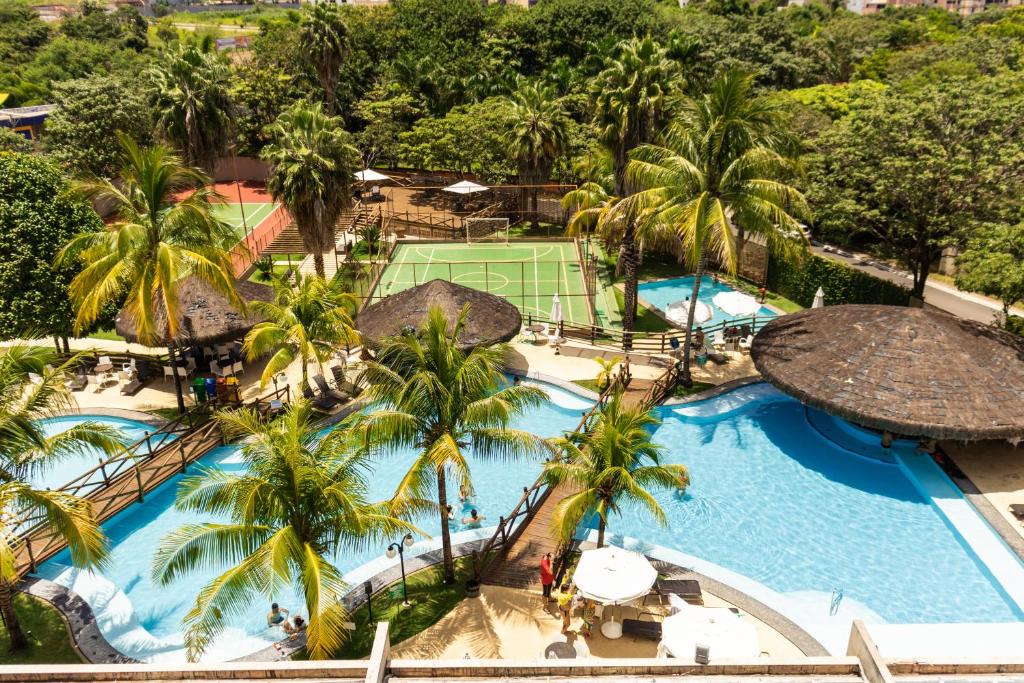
x=254, y=213
x=528, y=274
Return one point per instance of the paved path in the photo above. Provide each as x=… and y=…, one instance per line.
x=937, y=294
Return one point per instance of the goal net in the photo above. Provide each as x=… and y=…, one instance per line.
x=486, y=230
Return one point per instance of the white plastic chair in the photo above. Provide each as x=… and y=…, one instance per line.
x=746, y=342
x=719, y=340
x=237, y=368
x=168, y=373
x=104, y=360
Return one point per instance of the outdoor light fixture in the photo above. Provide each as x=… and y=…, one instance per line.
x=398, y=548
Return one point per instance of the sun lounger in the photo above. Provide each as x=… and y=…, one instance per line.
x=718, y=358
x=642, y=629
x=131, y=388
x=687, y=589
x=320, y=402
x=326, y=390
x=78, y=383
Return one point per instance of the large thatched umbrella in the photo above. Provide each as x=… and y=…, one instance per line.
x=205, y=317
x=491, y=319
x=908, y=371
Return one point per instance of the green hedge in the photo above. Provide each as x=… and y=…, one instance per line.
x=799, y=280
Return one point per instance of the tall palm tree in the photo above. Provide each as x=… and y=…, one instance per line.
x=313, y=171
x=539, y=133
x=615, y=463
x=301, y=500
x=632, y=97
x=190, y=97
x=323, y=37
x=153, y=242
x=722, y=162
x=441, y=400
x=26, y=449
x=308, y=320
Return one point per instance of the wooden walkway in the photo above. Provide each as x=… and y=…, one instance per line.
x=124, y=489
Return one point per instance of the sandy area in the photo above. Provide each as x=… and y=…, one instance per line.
x=505, y=623
x=997, y=469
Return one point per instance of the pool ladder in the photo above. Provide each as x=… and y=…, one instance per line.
x=837, y=597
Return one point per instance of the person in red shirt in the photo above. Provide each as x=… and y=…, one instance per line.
x=547, y=576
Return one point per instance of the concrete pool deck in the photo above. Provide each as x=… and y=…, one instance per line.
x=996, y=469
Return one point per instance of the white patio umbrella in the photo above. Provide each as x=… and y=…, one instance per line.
x=368, y=175
x=465, y=187
x=736, y=303
x=726, y=634
x=819, y=299
x=678, y=310
x=556, y=309
x=613, y=576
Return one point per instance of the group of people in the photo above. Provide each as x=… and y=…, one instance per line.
x=278, y=616
x=471, y=517
x=568, y=599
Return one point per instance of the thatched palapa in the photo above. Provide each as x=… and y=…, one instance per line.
x=491, y=318
x=207, y=317
x=908, y=371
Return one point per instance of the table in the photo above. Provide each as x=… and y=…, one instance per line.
x=103, y=367
x=535, y=329
x=560, y=650
x=611, y=629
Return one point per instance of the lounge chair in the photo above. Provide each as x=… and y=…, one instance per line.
x=78, y=383
x=718, y=358
x=746, y=342
x=718, y=341
x=338, y=373
x=687, y=589
x=321, y=402
x=1017, y=510
x=326, y=390
x=642, y=629
x=131, y=388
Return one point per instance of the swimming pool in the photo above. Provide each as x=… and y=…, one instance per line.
x=145, y=621
x=69, y=468
x=664, y=292
x=775, y=500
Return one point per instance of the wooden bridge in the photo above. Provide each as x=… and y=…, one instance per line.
x=524, y=536
x=126, y=478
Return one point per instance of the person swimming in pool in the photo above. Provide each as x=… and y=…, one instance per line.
x=474, y=519
x=277, y=615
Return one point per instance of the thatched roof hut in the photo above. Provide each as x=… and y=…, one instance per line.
x=207, y=317
x=908, y=371
x=491, y=318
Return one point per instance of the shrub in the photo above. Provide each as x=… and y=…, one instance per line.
x=799, y=280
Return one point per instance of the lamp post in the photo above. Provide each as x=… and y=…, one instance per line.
x=399, y=549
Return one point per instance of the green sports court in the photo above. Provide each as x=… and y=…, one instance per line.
x=528, y=274
x=255, y=213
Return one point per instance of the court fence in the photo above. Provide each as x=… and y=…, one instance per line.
x=251, y=247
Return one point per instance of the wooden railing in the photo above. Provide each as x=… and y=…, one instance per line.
x=662, y=387
x=126, y=478
x=511, y=526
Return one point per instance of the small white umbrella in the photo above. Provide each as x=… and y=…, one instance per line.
x=368, y=175
x=556, y=309
x=613, y=576
x=736, y=303
x=819, y=299
x=679, y=310
x=727, y=635
x=465, y=187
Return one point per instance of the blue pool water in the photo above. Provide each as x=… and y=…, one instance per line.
x=774, y=500
x=69, y=468
x=145, y=621
x=665, y=292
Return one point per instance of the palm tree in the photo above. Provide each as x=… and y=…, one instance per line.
x=604, y=376
x=632, y=98
x=440, y=399
x=323, y=38
x=308, y=320
x=153, y=242
x=25, y=449
x=613, y=464
x=314, y=166
x=190, y=96
x=539, y=133
x=722, y=162
x=301, y=500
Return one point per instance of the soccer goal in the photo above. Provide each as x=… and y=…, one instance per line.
x=487, y=230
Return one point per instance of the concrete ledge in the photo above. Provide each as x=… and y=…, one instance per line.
x=126, y=413
x=714, y=391
x=958, y=666
x=336, y=672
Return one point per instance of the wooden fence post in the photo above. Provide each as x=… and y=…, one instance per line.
x=184, y=463
x=138, y=480
x=103, y=470
x=31, y=555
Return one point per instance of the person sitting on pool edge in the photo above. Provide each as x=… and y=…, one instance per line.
x=277, y=615
x=473, y=521
x=297, y=626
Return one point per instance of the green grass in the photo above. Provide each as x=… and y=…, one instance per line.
x=259, y=276
x=525, y=230
x=431, y=599
x=49, y=642
x=646, y=319
x=108, y=335
x=681, y=391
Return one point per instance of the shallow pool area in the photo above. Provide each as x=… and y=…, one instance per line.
x=69, y=468
x=773, y=499
x=144, y=620
x=661, y=293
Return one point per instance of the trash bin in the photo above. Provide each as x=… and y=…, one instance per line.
x=211, y=388
x=222, y=390
x=199, y=389
x=232, y=389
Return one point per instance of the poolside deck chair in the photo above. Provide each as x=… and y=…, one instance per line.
x=326, y=390
x=321, y=402
x=1017, y=510
x=718, y=341
x=77, y=383
x=687, y=589
x=746, y=342
x=718, y=358
x=642, y=629
x=131, y=388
